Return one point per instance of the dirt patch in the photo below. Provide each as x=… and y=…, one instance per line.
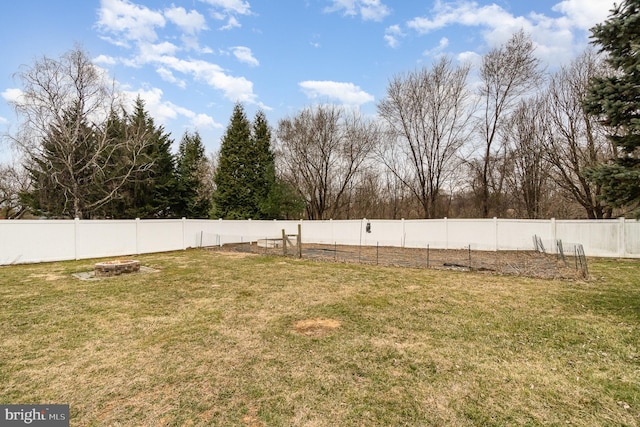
x=316, y=327
x=232, y=254
x=252, y=420
x=527, y=263
x=91, y=275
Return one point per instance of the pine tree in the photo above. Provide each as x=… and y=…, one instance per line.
x=616, y=101
x=150, y=191
x=63, y=181
x=265, y=169
x=194, y=196
x=79, y=163
x=276, y=199
x=245, y=179
x=283, y=201
x=234, y=177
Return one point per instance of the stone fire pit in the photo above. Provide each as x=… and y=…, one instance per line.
x=116, y=268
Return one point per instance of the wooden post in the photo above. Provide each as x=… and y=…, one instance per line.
x=284, y=243
x=299, y=240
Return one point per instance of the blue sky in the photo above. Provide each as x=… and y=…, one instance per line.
x=191, y=60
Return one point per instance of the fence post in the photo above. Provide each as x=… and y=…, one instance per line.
x=184, y=230
x=362, y=221
x=446, y=233
x=284, y=243
x=554, y=233
x=495, y=234
x=137, y=236
x=76, y=227
x=404, y=233
x=622, y=238
x=299, y=240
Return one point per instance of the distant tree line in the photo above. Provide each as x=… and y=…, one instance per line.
x=518, y=142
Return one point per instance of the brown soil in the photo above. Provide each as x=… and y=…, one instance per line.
x=316, y=327
x=521, y=263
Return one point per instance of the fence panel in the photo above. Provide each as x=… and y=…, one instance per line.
x=599, y=238
x=517, y=234
x=632, y=239
x=24, y=241
x=479, y=233
x=160, y=235
x=382, y=232
x=97, y=239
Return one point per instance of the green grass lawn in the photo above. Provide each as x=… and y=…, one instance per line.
x=217, y=339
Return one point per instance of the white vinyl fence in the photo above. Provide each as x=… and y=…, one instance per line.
x=30, y=241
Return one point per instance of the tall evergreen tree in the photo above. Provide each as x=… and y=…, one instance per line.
x=63, y=180
x=194, y=195
x=234, y=177
x=246, y=169
x=150, y=190
x=283, y=201
x=264, y=164
x=65, y=137
x=615, y=100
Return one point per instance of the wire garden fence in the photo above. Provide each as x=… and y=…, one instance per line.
x=569, y=262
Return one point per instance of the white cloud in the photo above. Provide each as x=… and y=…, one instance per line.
x=231, y=24
x=234, y=88
x=373, y=10
x=191, y=42
x=553, y=37
x=244, y=54
x=168, y=76
x=369, y=10
x=203, y=121
x=470, y=57
x=392, y=36
x=465, y=13
x=104, y=59
x=132, y=21
x=163, y=111
x=584, y=14
x=12, y=95
x=347, y=93
x=190, y=22
x=3, y=121
x=149, y=51
x=122, y=20
x=231, y=6
x=442, y=44
x=227, y=10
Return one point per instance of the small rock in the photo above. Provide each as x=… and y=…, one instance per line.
x=625, y=405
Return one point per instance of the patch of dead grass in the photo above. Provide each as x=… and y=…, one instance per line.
x=316, y=327
x=49, y=277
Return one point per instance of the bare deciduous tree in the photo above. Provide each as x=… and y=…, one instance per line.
x=320, y=152
x=428, y=113
x=525, y=135
x=64, y=133
x=577, y=141
x=14, y=180
x=507, y=73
